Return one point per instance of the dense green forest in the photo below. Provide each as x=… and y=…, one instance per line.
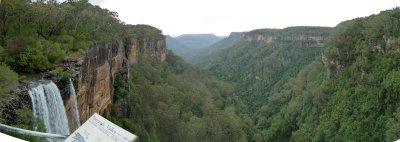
x=251, y=88
x=173, y=101
x=347, y=92
x=169, y=101
x=36, y=36
x=258, y=68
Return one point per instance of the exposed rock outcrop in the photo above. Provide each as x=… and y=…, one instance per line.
x=390, y=45
x=153, y=48
x=308, y=35
x=319, y=40
x=333, y=67
x=95, y=82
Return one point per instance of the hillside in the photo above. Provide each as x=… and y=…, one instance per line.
x=173, y=101
x=342, y=89
x=62, y=62
x=178, y=48
x=205, y=54
x=123, y=72
x=200, y=55
x=265, y=59
x=192, y=46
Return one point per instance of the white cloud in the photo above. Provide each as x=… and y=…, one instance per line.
x=221, y=17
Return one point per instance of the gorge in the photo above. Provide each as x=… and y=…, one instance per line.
x=301, y=83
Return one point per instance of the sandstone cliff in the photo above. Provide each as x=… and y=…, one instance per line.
x=307, y=35
x=94, y=83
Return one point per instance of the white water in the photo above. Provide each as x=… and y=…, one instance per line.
x=75, y=112
x=48, y=105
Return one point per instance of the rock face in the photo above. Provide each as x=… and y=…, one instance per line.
x=307, y=35
x=319, y=40
x=333, y=67
x=153, y=48
x=95, y=82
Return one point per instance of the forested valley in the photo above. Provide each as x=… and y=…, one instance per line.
x=293, y=84
x=344, y=90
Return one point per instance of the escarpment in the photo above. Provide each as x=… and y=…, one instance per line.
x=309, y=35
x=101, y=64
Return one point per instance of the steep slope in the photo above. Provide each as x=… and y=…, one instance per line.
x=172, y=101
x=120, y=71
x=267, y=58
x=202, y=55
x=178, y=48
x=349, y=93
x=354, y=97
x=363, y=63
x=102, y=63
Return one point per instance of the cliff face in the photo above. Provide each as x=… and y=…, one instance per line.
x=317, y=39
x=153, y=48
x=307, y=35
x=95, y=82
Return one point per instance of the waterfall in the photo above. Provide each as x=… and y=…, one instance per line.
x=48, y=105
x=75, y=112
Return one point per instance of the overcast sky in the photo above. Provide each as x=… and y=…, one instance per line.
x=175, y=17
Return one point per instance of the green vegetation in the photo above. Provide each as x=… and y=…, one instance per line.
x=25, y=121
x=276, y=89
x=292, y=96
x=36, y=36
x=8, y=81
x=172, y=101
x=201, y=55
x=259, y=69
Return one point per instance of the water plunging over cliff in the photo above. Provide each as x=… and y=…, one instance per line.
x=75, y=111
x=48, y=105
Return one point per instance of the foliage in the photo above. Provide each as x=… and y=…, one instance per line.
x=9, y=80
x=25, y=121
x=279, y=92
x=36, y=36
x=290, y=98
x=173, y=101
x=258, y=69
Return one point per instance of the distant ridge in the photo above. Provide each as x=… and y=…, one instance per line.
x=197, y=40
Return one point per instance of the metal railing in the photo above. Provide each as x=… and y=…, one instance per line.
x=32, y=133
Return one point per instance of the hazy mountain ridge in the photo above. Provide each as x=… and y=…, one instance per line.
x=195, y=55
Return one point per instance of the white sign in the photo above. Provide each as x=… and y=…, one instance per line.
x=99, y=129
x=7, y=138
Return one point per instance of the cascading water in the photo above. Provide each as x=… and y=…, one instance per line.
x=48, y=105
x=75, y=111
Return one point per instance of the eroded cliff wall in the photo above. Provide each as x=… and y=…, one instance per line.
x=307, y=35
x=95, y=81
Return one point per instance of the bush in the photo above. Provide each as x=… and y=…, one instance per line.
x=9, y=80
